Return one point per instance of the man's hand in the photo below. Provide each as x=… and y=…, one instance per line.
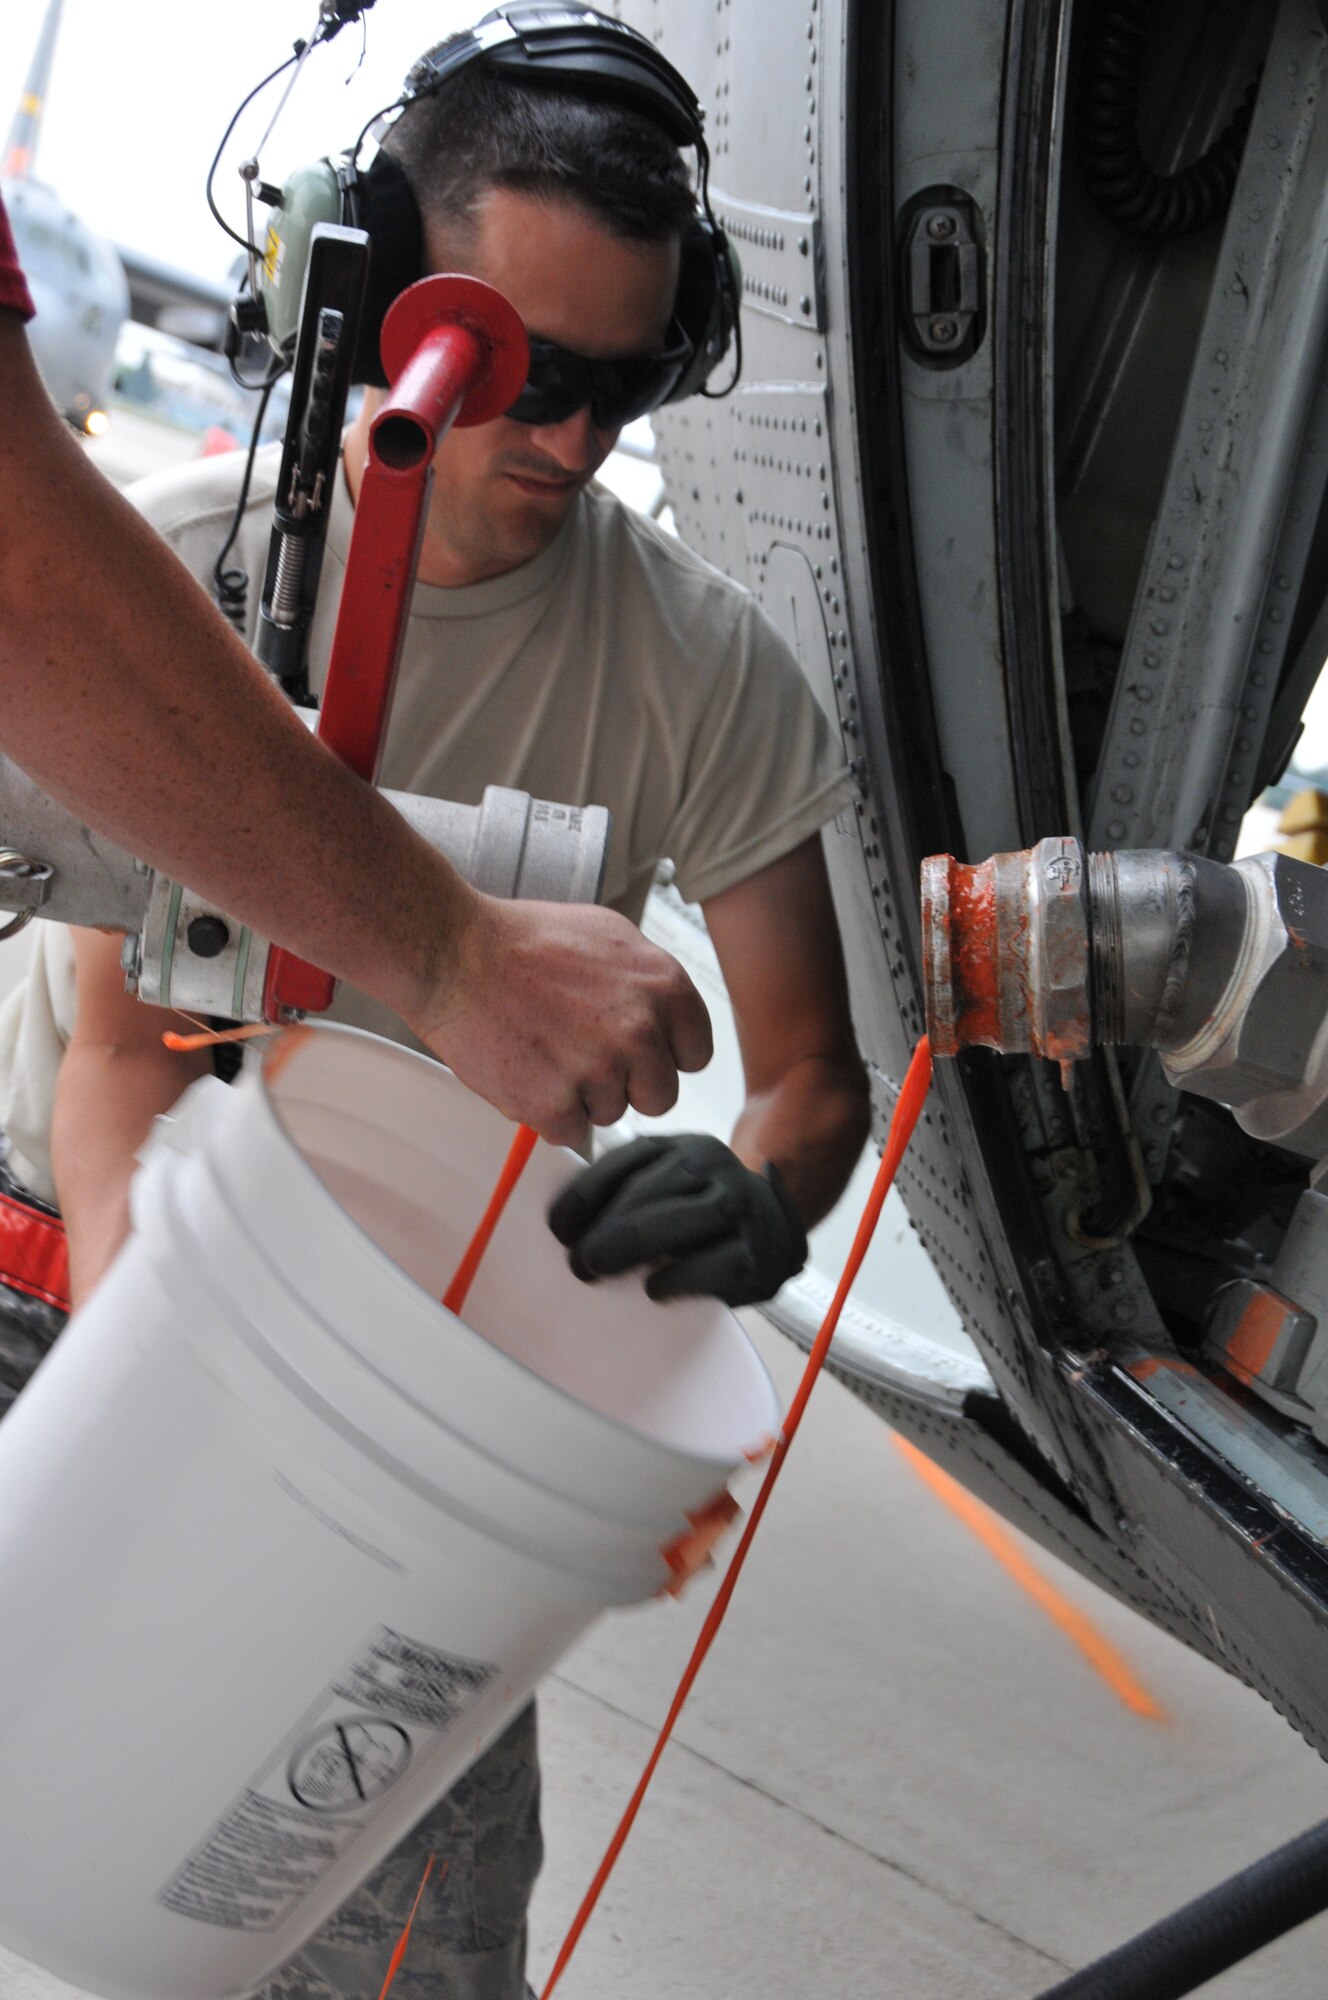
x=688, y=1200
x=562, y=1015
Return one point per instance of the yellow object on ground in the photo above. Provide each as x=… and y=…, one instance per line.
x=1304, y=827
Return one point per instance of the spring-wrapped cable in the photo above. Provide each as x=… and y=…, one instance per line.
x=230, y=586
x=1127, y=190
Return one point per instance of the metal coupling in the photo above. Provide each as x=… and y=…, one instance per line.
x=1005, y=952
x=1222, y=969
x=25, y=885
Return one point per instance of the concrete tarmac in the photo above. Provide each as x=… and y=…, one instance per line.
x=896, y=1776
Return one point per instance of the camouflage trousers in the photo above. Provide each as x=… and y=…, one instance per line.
x=468, y=1941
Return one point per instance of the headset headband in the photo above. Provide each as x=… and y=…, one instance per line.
x=544, y=43
x=530, y=42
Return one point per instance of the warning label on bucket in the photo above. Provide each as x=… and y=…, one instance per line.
x=325, y=1783
x=254, y=1864
x=415, y=1682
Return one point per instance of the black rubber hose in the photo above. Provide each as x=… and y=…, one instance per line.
x=1127, y=190
x=1214, y=1932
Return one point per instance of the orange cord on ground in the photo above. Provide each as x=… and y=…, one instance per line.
x=522, y=1147
x=906, y=1115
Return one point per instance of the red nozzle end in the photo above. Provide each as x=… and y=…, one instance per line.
x=486, y=315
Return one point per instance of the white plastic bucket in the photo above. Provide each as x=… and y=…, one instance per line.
x=284, y=1544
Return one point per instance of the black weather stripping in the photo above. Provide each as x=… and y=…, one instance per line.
x=1213, y=1933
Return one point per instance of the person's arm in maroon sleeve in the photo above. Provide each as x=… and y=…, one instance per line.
x=126, y=695
x=14, y=294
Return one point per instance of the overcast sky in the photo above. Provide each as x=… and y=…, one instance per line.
x=142, y=91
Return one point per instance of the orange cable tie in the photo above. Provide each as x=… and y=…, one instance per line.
x=906, y=1114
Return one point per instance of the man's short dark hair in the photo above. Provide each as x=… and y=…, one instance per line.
x=481, y=130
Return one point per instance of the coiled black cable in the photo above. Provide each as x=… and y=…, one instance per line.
x=1126, y=189
x=1215, y=1931
x=230, y=587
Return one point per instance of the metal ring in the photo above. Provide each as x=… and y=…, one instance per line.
x=13, y=862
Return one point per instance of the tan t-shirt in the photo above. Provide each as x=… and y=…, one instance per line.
x=617, y=668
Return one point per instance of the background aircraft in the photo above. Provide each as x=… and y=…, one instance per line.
x=77, y=281
x=83, y=286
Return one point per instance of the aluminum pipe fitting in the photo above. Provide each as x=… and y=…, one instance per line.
x=1005, y=953
x=509, y=845
x=181, y=951
x=1223, y=970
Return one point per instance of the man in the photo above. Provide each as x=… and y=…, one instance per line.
x=559, y=642
x=129, y=697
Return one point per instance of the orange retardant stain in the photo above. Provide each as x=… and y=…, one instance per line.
x=998, y=1541
x=907, y=1112
x=756, y=1452
x=521, y=1149
x=692, y=1549
x=289, y=1040
x=1251, y=1345
x=1150, y=1365
x=974, y=958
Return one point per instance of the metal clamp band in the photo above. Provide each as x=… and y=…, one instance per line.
x=24, y=884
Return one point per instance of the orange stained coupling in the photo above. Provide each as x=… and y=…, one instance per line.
x=961, y=953
x=998, y=1541
x=974, y=956
x=906, y=1115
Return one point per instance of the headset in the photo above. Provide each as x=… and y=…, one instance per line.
x=569, y=47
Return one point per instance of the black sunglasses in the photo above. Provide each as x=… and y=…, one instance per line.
x=560, y=383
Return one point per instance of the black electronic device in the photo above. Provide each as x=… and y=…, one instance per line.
x=329, y=330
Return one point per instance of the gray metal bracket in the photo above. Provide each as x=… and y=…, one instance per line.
x=780, y=254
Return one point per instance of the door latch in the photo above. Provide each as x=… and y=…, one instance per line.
x=943, y=277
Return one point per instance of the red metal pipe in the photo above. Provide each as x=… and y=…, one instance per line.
x=456, y=353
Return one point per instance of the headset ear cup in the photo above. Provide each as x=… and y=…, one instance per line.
x=709, y=285
x=386, y=209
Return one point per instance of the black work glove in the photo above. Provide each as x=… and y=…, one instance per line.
x=687, y=1199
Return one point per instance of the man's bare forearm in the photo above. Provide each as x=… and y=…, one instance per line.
x=813, y=1124
x=105, y=1103
x=127, y=695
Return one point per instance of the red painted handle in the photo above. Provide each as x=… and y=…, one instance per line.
x=455, y=353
